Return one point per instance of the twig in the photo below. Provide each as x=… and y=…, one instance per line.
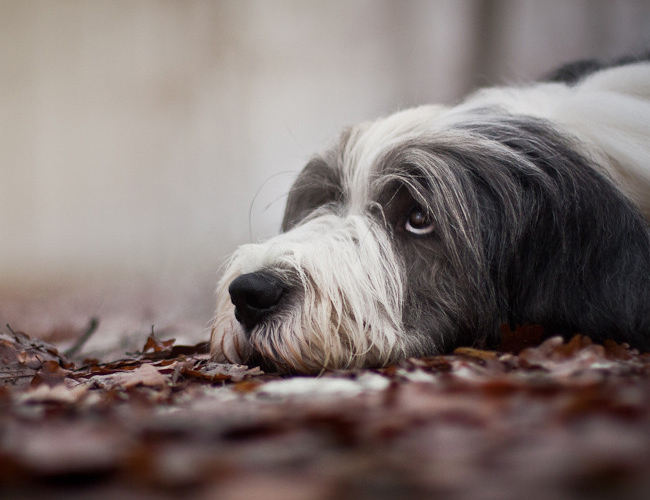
x=19, y=336
x=11, y=330
x=92, y=327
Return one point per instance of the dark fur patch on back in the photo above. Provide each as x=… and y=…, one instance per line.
x=571, y=73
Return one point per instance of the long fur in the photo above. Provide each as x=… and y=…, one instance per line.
x=538, y=199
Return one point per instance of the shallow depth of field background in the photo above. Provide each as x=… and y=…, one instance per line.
x=142, y=141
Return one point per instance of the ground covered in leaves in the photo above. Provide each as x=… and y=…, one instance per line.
x=561, y=420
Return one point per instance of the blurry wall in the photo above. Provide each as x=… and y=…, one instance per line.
x=152, y=136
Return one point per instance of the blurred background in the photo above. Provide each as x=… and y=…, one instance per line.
x=142, y=141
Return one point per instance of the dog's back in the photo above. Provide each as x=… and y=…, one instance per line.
x=606, y=107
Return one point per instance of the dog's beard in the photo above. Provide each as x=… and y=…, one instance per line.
x=343, y=307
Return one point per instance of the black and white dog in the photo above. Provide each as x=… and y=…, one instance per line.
x=429, y=229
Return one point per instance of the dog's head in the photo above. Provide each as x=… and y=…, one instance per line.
x=415, y=234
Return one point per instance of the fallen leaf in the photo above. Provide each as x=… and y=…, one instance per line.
x=514, y=341
x=57, y=394
x=476, y=353
x=145, y=375
x=156, y=345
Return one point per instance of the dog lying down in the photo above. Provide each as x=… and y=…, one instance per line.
x=431, y=228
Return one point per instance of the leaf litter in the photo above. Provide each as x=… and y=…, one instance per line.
x=541, y=419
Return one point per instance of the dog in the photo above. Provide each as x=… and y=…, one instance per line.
x=431, y=228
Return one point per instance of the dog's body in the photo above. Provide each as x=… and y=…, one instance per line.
x=430, y=228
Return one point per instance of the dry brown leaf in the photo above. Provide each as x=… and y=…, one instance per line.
x=60, y=393
x=144, y=375
x=514, y=341
x=476, y=353
x=156, y=345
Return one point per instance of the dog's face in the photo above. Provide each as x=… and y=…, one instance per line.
x=382, y=254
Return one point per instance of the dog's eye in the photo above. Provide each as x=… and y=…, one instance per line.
x=419, y=222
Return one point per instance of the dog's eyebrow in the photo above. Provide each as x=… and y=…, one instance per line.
x=395, y=167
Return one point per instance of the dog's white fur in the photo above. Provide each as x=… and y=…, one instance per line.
x=368, y=327
x=350, y=309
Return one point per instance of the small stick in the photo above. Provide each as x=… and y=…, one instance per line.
x=92, y=327
x=11, y=330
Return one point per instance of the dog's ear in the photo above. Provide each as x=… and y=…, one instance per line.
x=588, y=274
x=582, y=264
x=318, y=184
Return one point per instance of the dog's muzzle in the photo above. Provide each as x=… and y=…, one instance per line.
x=255, y=295
x=326, y=294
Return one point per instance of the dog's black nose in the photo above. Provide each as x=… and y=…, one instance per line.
x=254, y=296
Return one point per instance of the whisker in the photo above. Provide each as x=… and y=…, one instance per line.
x=257, y=193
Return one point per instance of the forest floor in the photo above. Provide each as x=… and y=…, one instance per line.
x=560, y=420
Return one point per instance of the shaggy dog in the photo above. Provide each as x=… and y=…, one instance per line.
x=429, y=229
